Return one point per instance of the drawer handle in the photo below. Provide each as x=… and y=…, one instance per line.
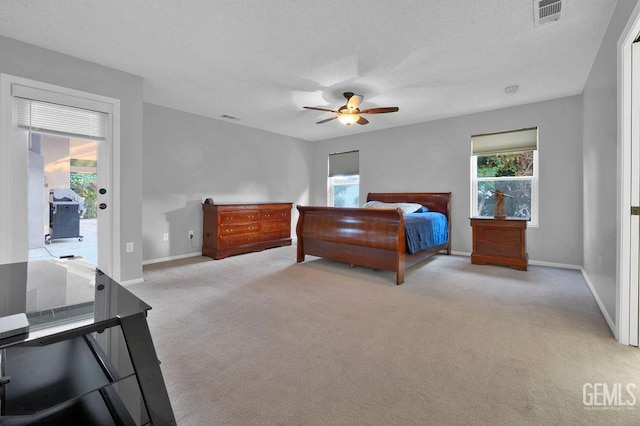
x=497, y=236
x=498, y=249
x=268, y=215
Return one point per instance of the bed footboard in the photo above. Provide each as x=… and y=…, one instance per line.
x=367, y=237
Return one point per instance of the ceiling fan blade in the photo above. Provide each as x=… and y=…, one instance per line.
x=354, y=102
x=321, y=109
x=379, y=110
x=327, y=119
x=362, y=121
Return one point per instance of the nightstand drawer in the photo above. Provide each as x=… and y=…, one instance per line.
x=498, y=249
x=498, y=235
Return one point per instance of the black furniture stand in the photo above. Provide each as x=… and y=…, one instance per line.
x=86, y=362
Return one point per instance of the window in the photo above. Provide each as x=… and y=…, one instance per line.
x=344, y=179
x=507, y=162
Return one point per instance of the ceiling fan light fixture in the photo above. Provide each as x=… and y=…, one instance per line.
x=351, y=113
x=348, y=118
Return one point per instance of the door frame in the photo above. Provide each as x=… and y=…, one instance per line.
x=627, y=303
x=13, y=169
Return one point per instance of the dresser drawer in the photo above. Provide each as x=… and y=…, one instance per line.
x=240, y=239
x=275, y=214
x=274, y=225
x=489, y=234
x=243, y=228
x=239, y=216
x=498, y=249
x=275, y=235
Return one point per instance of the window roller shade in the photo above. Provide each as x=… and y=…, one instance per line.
x=344, y=164
x=505, y=142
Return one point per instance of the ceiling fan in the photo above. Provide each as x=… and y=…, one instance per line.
x=350, y=113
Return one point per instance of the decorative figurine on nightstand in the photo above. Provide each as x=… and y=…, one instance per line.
x=208, y=201
x=498, y=211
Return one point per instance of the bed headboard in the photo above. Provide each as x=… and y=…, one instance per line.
x=434, y=201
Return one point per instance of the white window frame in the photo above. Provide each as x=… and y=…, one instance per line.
x=534, y=220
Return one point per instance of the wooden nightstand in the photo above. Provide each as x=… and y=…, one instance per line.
x=500, y=241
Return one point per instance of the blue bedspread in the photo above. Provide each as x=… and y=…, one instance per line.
x=424, y=230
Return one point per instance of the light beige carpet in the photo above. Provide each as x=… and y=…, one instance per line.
x=257, y=339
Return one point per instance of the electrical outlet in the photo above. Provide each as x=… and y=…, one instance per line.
x=129, y=247
x=190, y=234
x=165, y=237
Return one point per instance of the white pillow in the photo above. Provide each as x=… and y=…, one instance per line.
x=405, y=207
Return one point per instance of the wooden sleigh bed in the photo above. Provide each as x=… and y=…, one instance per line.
x=369, y=237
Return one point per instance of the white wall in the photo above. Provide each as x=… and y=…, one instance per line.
x=600, y=163
x=188, y=158
x=31, y=62
x=435, y=156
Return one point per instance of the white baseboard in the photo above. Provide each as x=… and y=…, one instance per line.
x=167, y=259
x=605, y=314
x=555, y=265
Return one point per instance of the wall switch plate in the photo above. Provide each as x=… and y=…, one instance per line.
x=165, y=237
x=129, y=247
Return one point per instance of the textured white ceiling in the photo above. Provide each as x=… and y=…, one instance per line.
x=263, y=60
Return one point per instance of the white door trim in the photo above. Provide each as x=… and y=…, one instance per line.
x=634, y=221
x=13, y=186
x=627, y=284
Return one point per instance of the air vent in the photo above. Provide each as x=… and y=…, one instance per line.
x=547, y=10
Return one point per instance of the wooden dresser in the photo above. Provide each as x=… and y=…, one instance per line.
x=499, y=241
x=231, y=228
